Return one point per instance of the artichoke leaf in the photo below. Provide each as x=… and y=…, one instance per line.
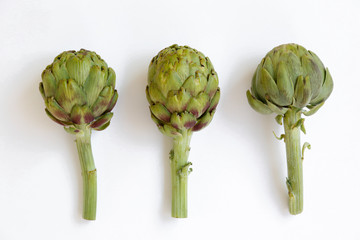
x=171, y=131
x=160, y=112
x=285, y=84
x=102, y=127
x=99, y=123
x=302, y=93
x=71, y=129
x=102, y=102
x=94, y=84
x=81, y=115
x=276, y=109
x=111, y=78
x=56, y=110
x=69, y=94
x=49, y=82
x=41, y=89
x=212, y=85
x=113, y=101
x=178, y=100
x=203, y=121
x=271, y=89
x=199, y=104
x=326, y=89
x=55, y=119
x=282, y=136
x=214, y=101
x=279, y=119
x=313, y=109
x=78, y=69
x=305, y=145
x=257, y=105
x=267, y=64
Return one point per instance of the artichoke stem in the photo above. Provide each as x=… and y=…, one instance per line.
x=294, y=163
x=179, y=174
x=88, y=172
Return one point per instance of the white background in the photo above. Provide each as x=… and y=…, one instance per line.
x=237, y=189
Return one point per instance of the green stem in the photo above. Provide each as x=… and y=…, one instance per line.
x=88, y=172
x=294, y=163
x=179, y=174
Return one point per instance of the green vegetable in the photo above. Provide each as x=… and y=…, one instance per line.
x=288, y=79
x=79, y=93
x=183, y=94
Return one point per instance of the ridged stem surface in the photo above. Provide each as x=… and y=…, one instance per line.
x=179, y=174
x=88, y=172
x=294, y=162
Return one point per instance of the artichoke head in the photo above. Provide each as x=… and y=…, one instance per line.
x=182, y=90
x=79, y=90
x=289, y=76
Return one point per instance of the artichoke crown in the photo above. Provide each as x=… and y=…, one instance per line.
x=79, y=89
x=289, y=76
x=182, y=90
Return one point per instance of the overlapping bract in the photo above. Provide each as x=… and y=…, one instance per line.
x=182, y=90
x=79, y=89
x=289, y=76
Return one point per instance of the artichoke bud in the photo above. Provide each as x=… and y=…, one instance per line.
x=182, y=90
x=78, y=89
x=289, y=76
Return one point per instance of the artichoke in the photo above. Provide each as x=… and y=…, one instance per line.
x=289, y=79
x=183, y=94
x=79, y=93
